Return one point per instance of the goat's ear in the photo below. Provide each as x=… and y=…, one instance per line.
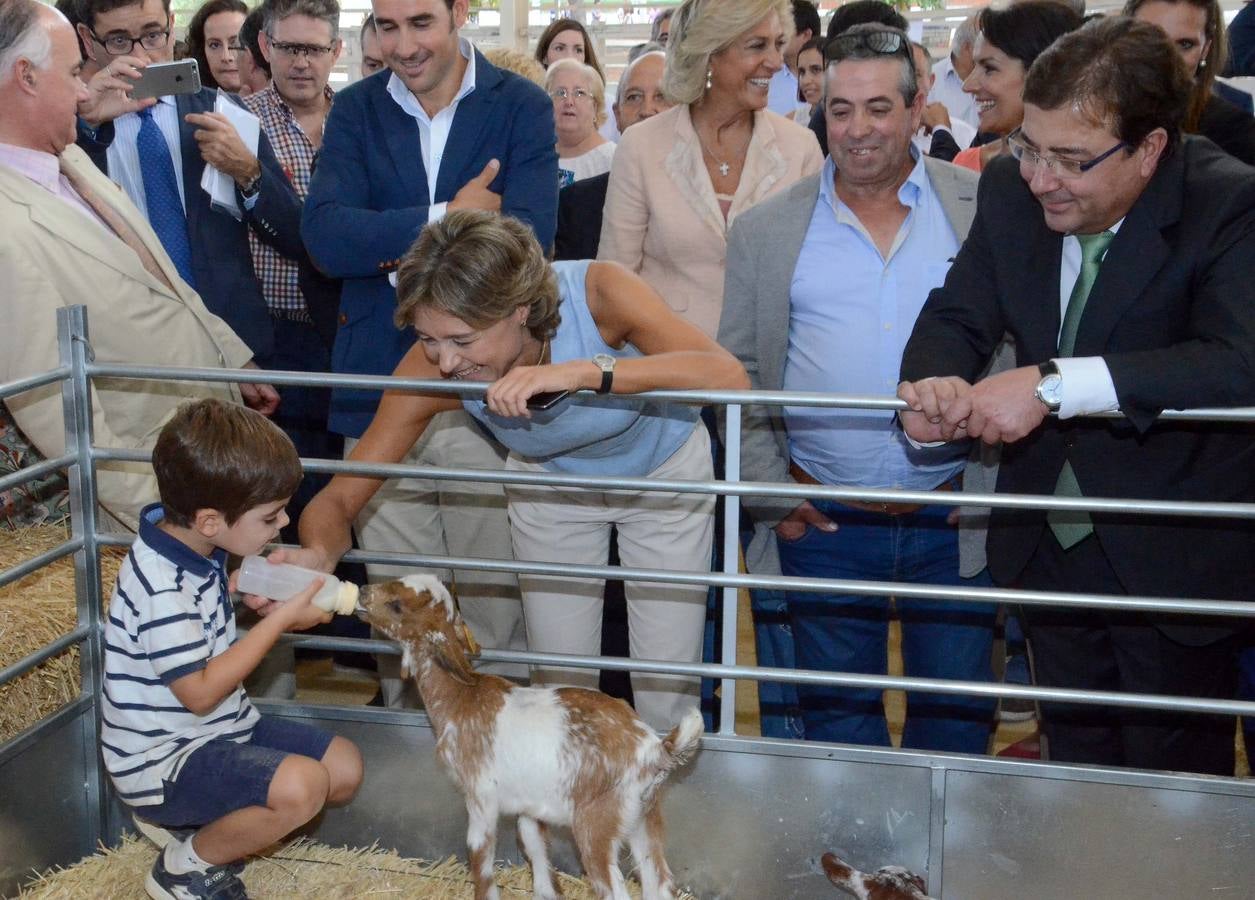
x=450, y=657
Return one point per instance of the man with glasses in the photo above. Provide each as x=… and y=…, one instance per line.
x=300, y=40
x=824, y=282
x=444, y=130
x=1120, y=256
x=157, y=153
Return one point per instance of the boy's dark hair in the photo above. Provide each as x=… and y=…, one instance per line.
x=216, y=455
x=89, y=9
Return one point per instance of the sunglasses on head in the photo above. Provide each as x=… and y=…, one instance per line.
x=884, y=43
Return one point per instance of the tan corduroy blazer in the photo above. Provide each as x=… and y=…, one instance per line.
x=661, y=218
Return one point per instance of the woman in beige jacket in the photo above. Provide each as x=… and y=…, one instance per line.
x=681, y=178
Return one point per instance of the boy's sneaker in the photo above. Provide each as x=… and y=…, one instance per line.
x=215, y=883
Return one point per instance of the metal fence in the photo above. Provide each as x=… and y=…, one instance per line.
x=78, y=368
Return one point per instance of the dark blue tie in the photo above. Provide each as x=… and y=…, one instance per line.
x=161, y=191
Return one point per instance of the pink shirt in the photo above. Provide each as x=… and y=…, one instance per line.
x=45, y=170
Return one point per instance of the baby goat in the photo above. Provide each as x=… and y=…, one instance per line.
x=886, y=883
x=551, y=756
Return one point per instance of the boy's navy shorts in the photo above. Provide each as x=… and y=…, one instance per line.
x=223, y=776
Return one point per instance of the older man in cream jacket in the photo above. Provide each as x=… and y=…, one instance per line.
x=71, y=237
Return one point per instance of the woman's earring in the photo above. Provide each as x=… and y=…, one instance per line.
x=709, y=74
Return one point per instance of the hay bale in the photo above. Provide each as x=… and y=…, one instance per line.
x=300, y=869
x=34, y=612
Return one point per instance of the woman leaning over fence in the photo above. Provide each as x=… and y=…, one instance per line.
x=487, y=307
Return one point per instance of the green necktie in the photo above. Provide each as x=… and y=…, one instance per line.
x=1070, y=528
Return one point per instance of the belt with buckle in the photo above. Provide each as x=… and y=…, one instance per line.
x=801, y=476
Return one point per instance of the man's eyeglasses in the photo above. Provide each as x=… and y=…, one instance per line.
x=1059, y=166
x=882, y=43
x=577, y=94
x=120, y=44
x=291, y=51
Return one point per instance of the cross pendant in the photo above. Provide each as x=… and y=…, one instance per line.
x=724, y=169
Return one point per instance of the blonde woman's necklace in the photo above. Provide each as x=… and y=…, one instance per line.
x=724, y=167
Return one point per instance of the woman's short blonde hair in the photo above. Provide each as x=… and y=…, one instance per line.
x=595, y=84
x=700, y=29
x=479, y=267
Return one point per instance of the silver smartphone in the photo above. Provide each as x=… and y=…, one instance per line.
x=163, y=79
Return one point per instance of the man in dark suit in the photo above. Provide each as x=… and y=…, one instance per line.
x=579, y=205
x=210, y=245
x=1109, y=213
x=441, y=129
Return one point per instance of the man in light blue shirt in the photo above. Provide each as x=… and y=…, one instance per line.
x=826, y=304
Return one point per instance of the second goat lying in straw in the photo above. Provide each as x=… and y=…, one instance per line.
x=551, y=756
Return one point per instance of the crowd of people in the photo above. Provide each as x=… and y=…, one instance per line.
x=757, y=203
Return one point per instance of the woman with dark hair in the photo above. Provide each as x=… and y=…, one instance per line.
x=1008, y=42
x=488, y=307
x=810, y=79
x=213, y=39
x=1196, y=29
x=567, y=38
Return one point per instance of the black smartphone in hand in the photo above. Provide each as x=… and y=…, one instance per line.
x=546, y=399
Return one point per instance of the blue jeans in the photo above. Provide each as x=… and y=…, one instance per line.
x=849, y=633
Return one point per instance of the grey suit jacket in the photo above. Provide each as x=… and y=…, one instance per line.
x=763, y=249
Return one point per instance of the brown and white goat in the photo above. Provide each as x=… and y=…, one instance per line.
x=886, y=883
x=551, y=756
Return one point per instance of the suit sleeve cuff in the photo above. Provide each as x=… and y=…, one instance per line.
x=436, y=212
x=1087, y=386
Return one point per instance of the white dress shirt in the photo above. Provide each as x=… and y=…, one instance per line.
x=1087, y=384
x=433, y=131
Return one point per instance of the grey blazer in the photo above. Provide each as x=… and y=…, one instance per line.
x=763, y=249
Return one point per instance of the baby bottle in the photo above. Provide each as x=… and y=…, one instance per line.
x=283, y=581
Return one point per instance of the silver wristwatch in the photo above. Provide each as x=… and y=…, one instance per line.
x=605, y=362
x=1050, y=389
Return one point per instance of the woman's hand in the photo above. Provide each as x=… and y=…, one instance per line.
x=508, y=395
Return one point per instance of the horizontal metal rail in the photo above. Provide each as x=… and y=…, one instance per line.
x=26, y=663
x=754, y=488
x=806, y=676
x=48, y=557
x=29, y=383
x=1113, y=602
x=30, y=473
x=465, y=388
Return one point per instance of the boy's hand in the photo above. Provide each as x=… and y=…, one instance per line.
x=299, y=613
x=264, y=606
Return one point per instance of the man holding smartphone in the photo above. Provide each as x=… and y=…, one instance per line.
x=157, y=154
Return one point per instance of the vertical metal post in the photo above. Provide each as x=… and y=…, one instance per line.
x=514, y=17
x=731, y=565
x=75, y=352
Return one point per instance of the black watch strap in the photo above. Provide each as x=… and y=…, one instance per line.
x=1049, y=367
x=607, y=379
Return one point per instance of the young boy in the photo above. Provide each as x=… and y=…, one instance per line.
x=182, y=744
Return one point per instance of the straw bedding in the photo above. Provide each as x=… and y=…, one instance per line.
x=35, y=611
x=300, y=869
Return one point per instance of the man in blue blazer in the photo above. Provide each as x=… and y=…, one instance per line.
x=219, y=264
x=441, y=129
x=372, y=190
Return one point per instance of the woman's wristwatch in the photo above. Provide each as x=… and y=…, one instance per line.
x=605, y=362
